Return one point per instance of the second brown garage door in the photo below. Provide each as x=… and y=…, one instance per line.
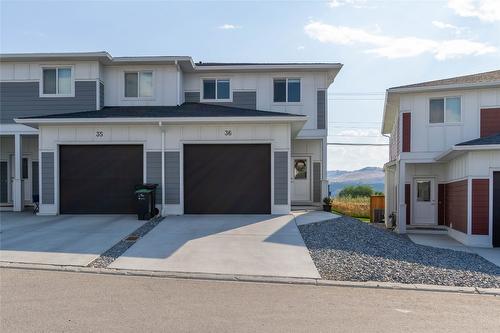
x=99, y=179
x=227, y=179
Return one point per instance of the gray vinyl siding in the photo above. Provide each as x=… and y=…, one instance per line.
x=47, y=177
x=241, y=99
x=316, y=181
x=281, y=178
x=172, y=177
x=34, y=173
x=192, y=97
x=101, y=95
x=321, y=109
x=22, y=99
x=153, y=172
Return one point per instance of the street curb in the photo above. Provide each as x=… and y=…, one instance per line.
x=255, y=279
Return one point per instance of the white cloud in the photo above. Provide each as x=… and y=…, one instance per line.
x=396, y=47
x=448, y=26
x=360, y=132
x=229, y=27
x=353, y=3
x=485, y=10
x=301, y=47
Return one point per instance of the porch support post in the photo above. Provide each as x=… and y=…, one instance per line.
x=17, y=186
x=163, y=185
x=401, y=218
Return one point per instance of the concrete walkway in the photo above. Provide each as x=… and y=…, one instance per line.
x=223, y=244
x=446, y=242
x=60, y=240
x=312, y=216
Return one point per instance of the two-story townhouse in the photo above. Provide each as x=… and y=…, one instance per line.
x=80, y=130
x=444, y=168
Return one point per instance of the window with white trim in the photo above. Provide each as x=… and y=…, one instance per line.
x=286, y=90
x=216, y=89
x=445, y=110
x=139, y=84
x=57, y=81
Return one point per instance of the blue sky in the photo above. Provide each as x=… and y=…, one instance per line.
x=381, y=44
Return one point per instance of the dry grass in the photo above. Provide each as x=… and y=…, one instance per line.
x=355, y=207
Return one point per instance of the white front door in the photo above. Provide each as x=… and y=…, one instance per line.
x=301, y=179
x=25, y=175
x=424, y=201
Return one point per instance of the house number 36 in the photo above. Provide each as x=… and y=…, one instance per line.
x=99, y=134
x=228, y=132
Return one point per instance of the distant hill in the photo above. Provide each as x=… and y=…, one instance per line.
x=373, y=176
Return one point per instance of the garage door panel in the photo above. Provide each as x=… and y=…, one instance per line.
x=99, y=179
x=227, y=179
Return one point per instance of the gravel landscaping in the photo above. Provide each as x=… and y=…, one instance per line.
x=119, y=248
x=347, y=249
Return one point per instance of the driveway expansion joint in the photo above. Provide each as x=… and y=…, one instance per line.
x=111, y=254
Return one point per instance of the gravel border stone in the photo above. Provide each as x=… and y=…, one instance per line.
x=347, y=249
x=110, y=255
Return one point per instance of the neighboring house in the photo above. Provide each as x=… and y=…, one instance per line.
x=81, y=129
x=444, y=168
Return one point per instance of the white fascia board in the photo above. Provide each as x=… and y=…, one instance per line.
x=10, y=129
x=446, y=87
x=303, y=66
x=53, y=56
x=164, y=120
x=460, y=150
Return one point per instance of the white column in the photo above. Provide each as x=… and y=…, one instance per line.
x=17, y=184
x=401, y=218
x=163, y=185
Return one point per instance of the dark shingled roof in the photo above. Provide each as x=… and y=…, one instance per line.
x=466, y=79
x=185, y=110
x=488, y=140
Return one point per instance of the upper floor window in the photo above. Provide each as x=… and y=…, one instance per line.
x=139, y=84
x=445, y=110
x=56, y=81
x=286, y=90
x=216, y=89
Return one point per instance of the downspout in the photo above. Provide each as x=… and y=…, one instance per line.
x=163, y=208
x=178, y=85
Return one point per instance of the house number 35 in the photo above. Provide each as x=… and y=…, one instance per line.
x=99, y=134
x=228, y=132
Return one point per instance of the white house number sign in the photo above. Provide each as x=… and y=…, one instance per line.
x=228, y=132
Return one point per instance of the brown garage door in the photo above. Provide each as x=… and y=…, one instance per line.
x=99, y=179
x=227, y=179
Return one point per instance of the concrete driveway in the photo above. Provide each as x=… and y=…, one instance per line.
x=223, y=244
x=61, y=240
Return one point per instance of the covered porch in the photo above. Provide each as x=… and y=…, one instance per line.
x=19, y=168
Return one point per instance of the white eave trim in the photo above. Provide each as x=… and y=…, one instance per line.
x=459, y=150
x=303, y=66
x=164, y=120
x=445, y=87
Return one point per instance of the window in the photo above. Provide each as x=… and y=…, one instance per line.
x=25, y=168
x=445, y=110
x=56, y=81
x=139, y=84
x=286, y=90
x=216, y=89
x=423, y=190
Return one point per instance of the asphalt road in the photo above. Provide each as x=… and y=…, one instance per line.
x=60, y=301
